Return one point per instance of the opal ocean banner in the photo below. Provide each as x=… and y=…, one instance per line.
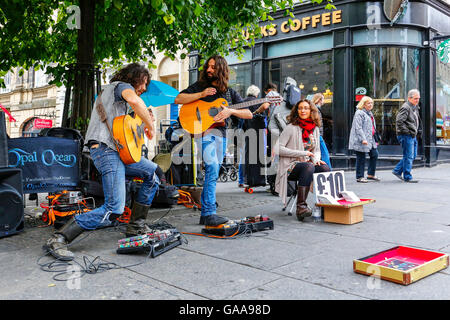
x=48, y=164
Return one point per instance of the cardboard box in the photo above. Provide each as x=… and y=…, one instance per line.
x=345, y=212
x=403, y=265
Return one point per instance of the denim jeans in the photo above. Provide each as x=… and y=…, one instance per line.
x=325, y=156
x=113, y=172
x=409, y=147
x=361, y=163
x=241, y=165
x=213, y=152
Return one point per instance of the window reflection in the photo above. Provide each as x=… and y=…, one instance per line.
x=313, y=74
x=442, y=103
x=240, y=78
x=386, y=74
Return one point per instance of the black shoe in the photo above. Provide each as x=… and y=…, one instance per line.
x=397, y=175
x=212, y=220
x=411, y=181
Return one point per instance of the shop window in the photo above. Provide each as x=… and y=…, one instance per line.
x=240, y=78
x=386, y=75
x=313, y=74
x=7, y=83
x=28, y=129
x=232, y=58
x=442, y=103
x=294, y=47
x=391, y=35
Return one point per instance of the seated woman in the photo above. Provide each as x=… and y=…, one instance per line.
x=299, y=150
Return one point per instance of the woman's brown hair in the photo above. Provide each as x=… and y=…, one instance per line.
x=133, y=73
x=222, y=73
x=294, y=118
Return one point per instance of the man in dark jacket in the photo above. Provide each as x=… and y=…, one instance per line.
x=408, y=127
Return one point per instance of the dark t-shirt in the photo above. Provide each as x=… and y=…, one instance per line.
x=119, y=89
x=233, y=96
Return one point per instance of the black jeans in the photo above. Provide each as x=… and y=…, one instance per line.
x=303, y=173
x=361, y=162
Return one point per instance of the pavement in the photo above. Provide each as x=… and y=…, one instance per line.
x=294, y=261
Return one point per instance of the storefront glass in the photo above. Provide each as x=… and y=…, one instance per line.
x=386, y=74
x=240, y=78
x=313, y=73
x=442, y=103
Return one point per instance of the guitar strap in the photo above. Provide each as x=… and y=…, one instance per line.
x=104, y=118
x=230, y=102
x=228, y=97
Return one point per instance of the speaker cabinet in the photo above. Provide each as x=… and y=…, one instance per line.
x=11, y=202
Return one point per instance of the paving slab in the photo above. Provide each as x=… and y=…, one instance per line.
x=294, y=261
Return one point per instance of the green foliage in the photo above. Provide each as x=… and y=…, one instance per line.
x=35, y=33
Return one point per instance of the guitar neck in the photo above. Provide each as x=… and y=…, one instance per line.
x=247, y=104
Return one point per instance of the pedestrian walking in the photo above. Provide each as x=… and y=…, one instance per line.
x=364, y=139
x=408, y=128
x=318, y=100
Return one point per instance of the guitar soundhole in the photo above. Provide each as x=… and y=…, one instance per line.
x=213, y=112
x=139, y=131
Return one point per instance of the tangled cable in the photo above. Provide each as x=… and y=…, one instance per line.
x=72, y=270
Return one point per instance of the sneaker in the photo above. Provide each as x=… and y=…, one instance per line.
x=397, y=175
x=212, y=220
x=411, y=181
x=362, y=180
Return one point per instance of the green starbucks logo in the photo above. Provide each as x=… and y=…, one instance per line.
x=443, y=51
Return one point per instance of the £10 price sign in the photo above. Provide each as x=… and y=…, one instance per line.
x=329, y=183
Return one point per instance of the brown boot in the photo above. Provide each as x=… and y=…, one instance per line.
x=57, y=244
x=137, y=225
x=303, y=210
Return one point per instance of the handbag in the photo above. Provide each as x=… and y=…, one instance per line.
x=376, y=137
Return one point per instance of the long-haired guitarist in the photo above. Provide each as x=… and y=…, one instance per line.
x=213, y=84
x=124, y=90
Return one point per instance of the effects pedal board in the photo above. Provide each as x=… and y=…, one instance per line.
x=235, y=227
x=155, y=243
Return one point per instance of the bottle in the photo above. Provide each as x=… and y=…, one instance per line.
x=316, y=214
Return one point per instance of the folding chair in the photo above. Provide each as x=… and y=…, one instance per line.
x=292, y=190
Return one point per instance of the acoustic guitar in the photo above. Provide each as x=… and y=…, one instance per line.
x=129, y=134
x=198, y=116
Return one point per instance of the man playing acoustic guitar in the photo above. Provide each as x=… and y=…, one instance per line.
x=125, y=88
x=213, y=84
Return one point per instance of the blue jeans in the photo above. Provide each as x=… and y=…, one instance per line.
x=213, y=152
x=241, y=173
x=409, y=147
x=241, y=165
x=325, y=156
x=361, y=163
x=113, y=171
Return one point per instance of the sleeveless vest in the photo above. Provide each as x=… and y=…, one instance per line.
x=97, y=130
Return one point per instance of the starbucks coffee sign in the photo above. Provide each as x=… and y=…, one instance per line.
x=443, y=51
x=309, y=23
